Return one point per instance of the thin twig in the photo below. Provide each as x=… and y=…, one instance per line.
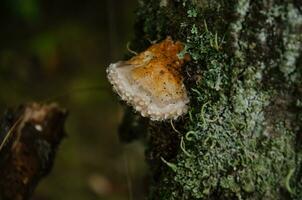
x=10, y=132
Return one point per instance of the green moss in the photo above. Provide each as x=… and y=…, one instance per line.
x=236, y=142
x=233, y=153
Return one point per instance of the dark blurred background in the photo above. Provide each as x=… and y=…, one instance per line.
x=58, y=50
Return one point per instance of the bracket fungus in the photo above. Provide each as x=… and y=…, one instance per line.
x=151, y=81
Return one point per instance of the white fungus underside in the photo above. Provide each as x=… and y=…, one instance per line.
x=141, y=100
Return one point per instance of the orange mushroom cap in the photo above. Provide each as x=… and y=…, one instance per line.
x=152, y=82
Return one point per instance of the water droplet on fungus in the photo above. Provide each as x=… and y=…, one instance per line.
x=151, y=82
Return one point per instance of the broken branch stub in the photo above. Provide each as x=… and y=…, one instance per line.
x=30, y=136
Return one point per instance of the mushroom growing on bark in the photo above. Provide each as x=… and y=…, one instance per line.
x=151, y=81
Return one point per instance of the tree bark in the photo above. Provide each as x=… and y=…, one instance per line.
x=29, y=138
x=242, y=136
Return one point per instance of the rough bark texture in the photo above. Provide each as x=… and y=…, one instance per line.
x=242, y=136
x=30, y=136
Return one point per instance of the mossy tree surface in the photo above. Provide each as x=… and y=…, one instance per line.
x=242, y=136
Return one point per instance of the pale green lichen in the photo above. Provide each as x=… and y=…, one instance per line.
x=292, y=42
x=231, y=146
x=231, y=152
x=192, y=13
x=241, y=10
x=163, y=3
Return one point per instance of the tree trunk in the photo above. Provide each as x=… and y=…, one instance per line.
x=242, y=136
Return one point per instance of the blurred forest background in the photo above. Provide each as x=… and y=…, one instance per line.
x=55, y=50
